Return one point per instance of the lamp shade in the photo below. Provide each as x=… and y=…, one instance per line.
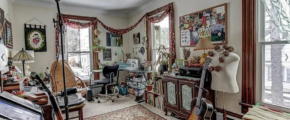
x=23, y=55
x=203, y=44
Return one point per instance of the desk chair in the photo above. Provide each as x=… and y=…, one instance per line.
x=109, y=73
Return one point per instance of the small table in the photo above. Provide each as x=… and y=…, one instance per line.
x=139, y=100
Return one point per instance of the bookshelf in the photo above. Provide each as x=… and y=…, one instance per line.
x=155, y=97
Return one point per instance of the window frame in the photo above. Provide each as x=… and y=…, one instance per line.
x=80, y=52
x=153, y=39
x=260, y=46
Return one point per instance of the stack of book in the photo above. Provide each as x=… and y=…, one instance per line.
x=158, y=89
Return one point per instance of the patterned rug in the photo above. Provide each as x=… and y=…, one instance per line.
x=136, y=112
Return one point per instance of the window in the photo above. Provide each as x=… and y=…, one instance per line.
x=79, y=51
x=275, y=51
x=160, y=36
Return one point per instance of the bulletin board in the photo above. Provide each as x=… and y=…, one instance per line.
x=209, y=24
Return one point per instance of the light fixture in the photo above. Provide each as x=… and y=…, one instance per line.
x=23, y=56
x=204, y=43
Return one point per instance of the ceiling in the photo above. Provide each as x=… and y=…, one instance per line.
x=124, y=6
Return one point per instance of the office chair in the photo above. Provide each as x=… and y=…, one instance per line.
x=109, y=73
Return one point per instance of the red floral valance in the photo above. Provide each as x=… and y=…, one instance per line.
x=78, y=25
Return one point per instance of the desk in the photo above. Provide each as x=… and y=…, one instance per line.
x=135, y=71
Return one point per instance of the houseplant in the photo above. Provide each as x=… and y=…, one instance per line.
x=97, y=45
x=149, y=85
x=163, y=58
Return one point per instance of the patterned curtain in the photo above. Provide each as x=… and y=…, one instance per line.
x=277, y=19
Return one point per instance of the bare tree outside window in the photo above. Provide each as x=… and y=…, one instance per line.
x=276, y=66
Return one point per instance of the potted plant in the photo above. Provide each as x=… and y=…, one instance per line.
x=147, y=65
x=149, y=85
x=163, y=58
x=98, y=48
x=97, y=45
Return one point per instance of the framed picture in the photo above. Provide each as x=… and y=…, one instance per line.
x=107, y=55
x=136, y=38
x=179, y=62
x=208, y=24
x=8, y=35
x=35, y=38
x=114, y=40
x=2, y=19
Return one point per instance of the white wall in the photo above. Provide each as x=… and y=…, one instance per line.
x=45, y=15
x=183, y=7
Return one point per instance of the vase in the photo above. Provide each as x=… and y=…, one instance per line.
x=164, y=67
x=149, y=87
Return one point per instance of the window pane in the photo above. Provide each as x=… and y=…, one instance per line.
x=84, y=39
x=80, y=64
x=73, y=42
x=161, y=33
x=276, y=75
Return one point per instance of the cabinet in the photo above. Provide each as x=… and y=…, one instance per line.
x=179, y=92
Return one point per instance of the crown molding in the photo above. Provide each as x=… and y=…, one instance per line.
x=51, y=5
x=143, y=7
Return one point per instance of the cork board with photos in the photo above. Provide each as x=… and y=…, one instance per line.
x=208, y=24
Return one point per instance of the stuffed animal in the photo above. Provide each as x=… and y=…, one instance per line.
x=203, y=57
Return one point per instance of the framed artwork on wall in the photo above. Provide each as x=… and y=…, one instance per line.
x=208, y=24
x=107, y=54
x=35, y=38
x=2, y=19
x=136, y=38
x=114, y=40
x=8, y=36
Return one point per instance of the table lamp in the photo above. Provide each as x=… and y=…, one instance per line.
x=23, y=56
x=204, y=43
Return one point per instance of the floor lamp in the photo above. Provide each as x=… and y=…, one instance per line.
x=60, y=24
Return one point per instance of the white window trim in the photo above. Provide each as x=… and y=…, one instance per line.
x=260, y=48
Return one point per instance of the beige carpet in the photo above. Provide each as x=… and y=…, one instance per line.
x=95, y=108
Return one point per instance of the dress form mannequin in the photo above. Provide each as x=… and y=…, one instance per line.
x=225, y=80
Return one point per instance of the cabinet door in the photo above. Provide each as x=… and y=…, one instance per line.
x=187, y=93
x=171, y=93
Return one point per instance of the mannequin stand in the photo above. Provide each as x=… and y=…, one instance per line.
x=224, y=105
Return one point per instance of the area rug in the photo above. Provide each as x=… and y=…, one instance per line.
x=136, y=112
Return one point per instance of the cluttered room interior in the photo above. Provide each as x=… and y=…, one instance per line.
x=144, y=59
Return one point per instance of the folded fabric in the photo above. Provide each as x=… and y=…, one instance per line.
x=263, y=113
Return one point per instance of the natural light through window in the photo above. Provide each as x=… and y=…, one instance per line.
x=79, y=52
x=275, y=49
x=160, y=32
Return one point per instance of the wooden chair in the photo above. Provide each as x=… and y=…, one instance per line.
x=71, y=79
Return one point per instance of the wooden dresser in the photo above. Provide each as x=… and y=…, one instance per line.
x=179, y=91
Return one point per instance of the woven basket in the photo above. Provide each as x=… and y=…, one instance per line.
x=71, y=79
